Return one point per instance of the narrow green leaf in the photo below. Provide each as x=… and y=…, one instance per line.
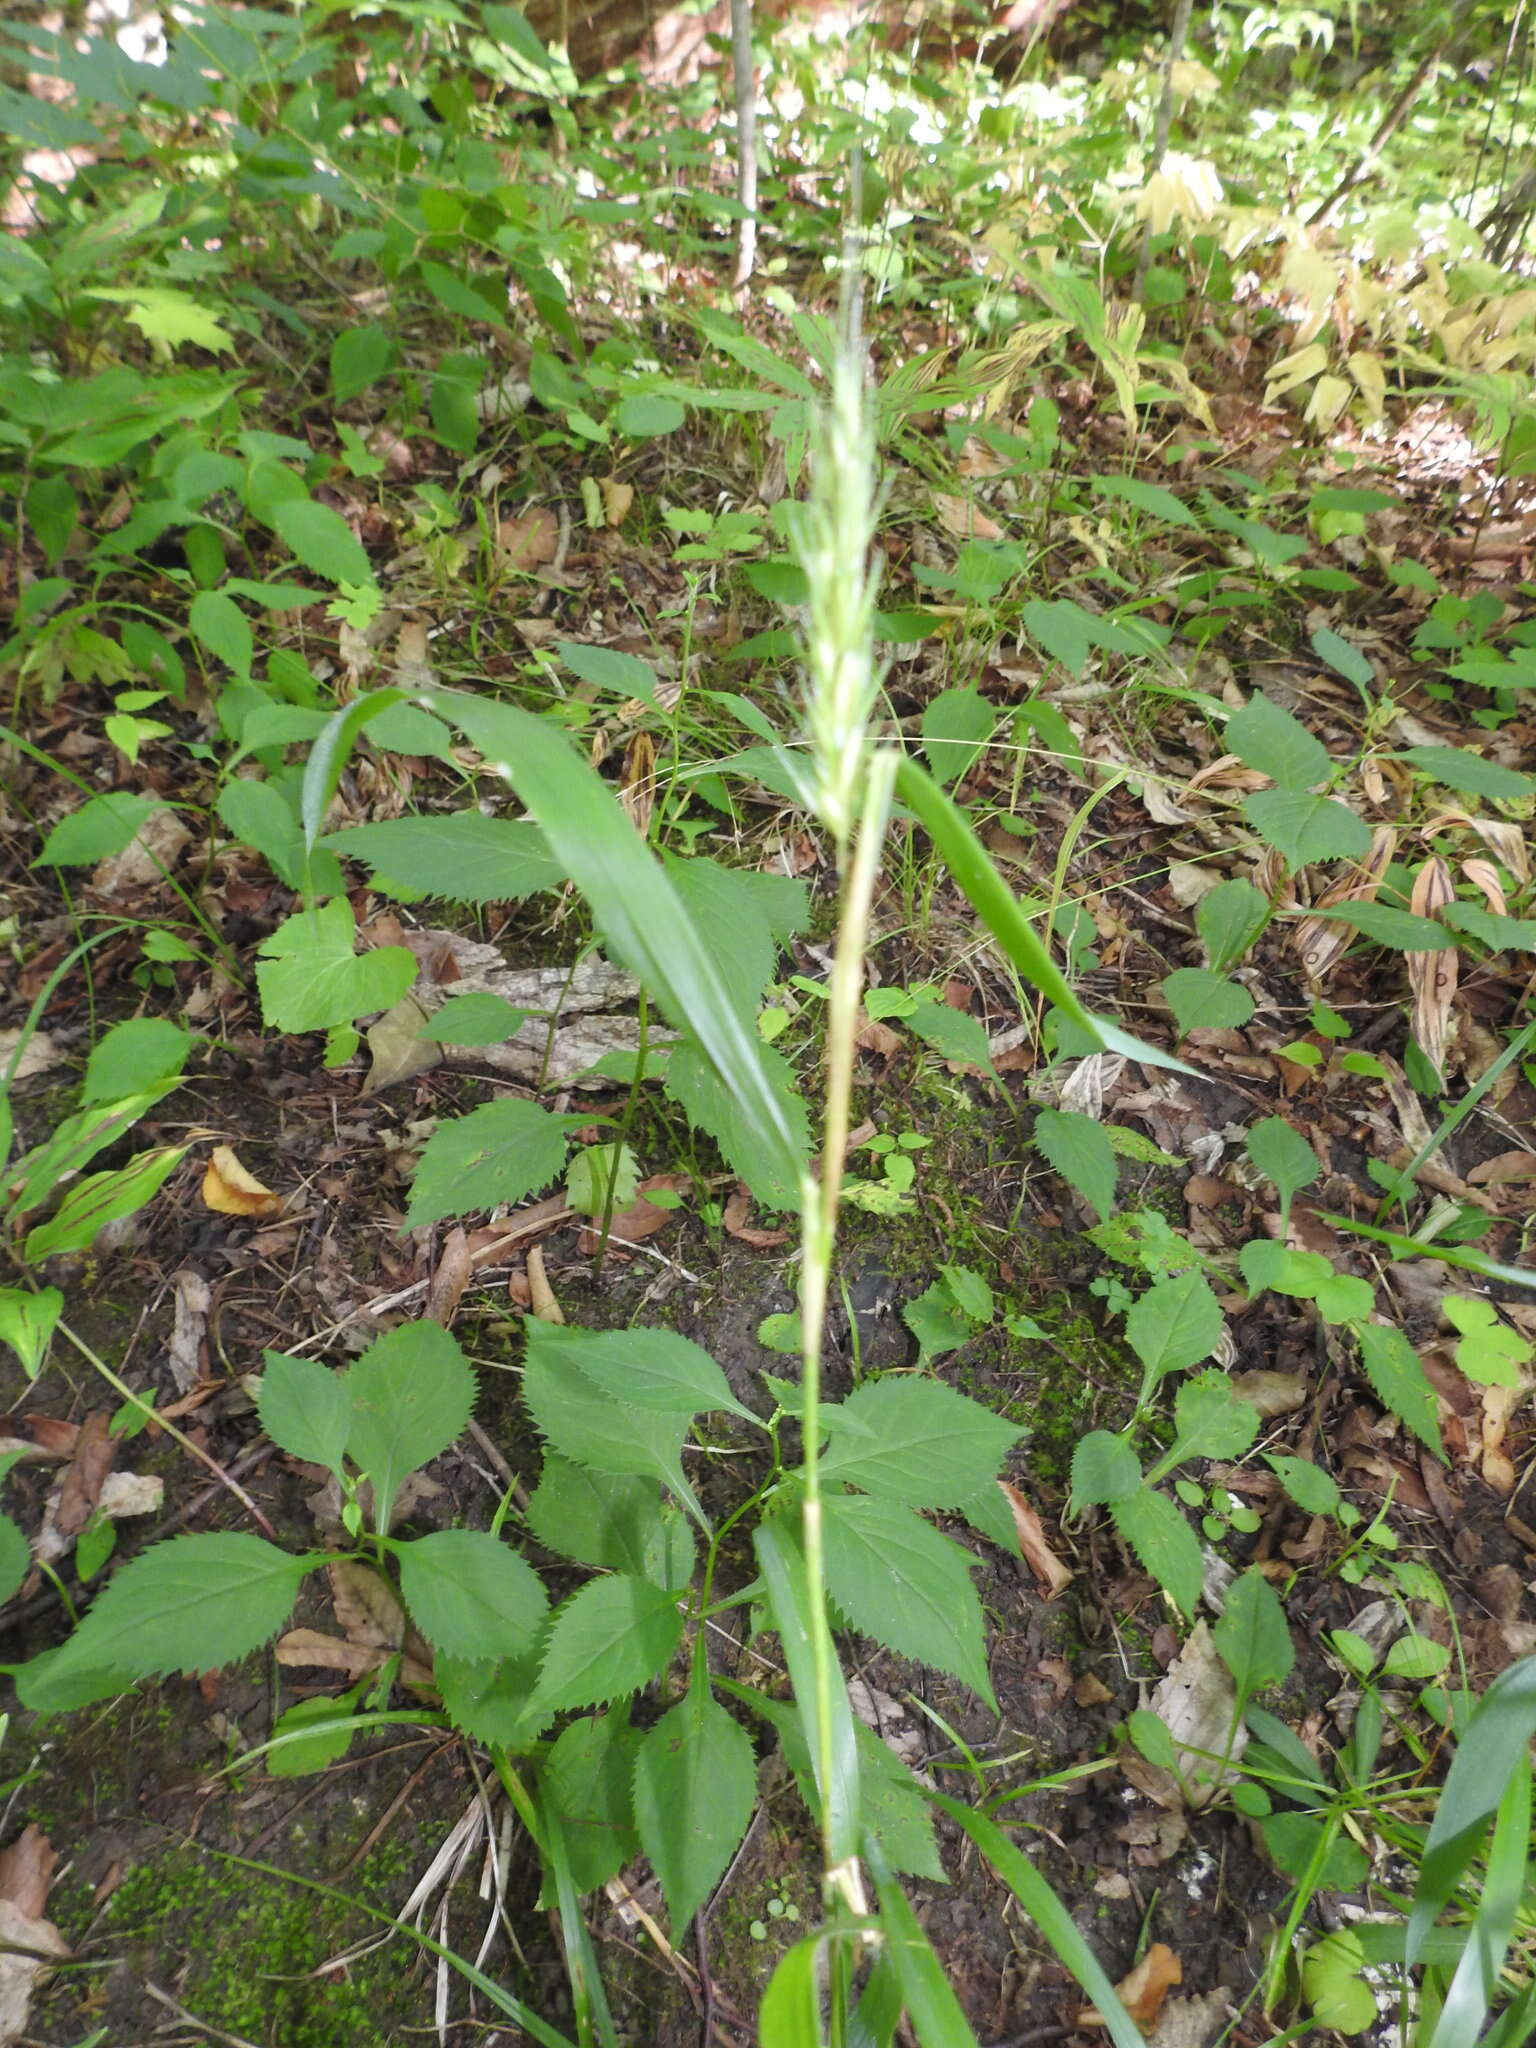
x=932, y=2007
x=976, y=874
x=797, y=1617
x=1046, y=1912
x=1388, y=926
x=790, y=2014
x=27, y=1323
x=1468, y=773
x=635, y=905
x=101, y=1198
x=1491, y=1748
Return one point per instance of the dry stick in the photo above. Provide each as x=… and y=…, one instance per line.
x=746, y=138
x=1176, y=39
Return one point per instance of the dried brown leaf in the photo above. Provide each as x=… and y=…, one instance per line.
x=1318, y=941
x=1047, y=1567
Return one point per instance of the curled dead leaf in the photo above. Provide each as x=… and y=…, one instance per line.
x=1047, y=1567
x=1432, y=976
x=540, y=1294
x=26, y=1872
x=1483, y=875
x=617, y=499
x=1144, y=1988
x=529, y=541
x=1318, y=941
x=231, y=1191
x=738, y=1208
x=966, y=521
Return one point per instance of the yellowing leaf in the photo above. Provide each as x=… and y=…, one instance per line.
x=1295, y=369
x=230, y=1190
x=171, y=318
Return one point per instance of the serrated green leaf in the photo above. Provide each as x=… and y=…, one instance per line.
x=914, y=1440
x=1343, y=657
x=653, y=1369
x=1468, y=773
x=322, y=540
x=305, y=1408
x=1305, y=828
x=695, y=1787
x=1203, y=1001
x=953, y=1034
x=1212, y=1421
x=360, y=356
x=901, y=1582
x=748, y=915
x=589, y=1777
x=1386, y=925
x=1265, y=1263
x=1252, y=1635
x=492, y=1702
x=15, y=1557
x=412, y=1391
x=1314, y=1491
x=471, y=1595
x=957, y=724
x=1498, y=934
x=1103, y=1468
x=1392, y=1366
x=1079, y=1148
x=614, y=1520
x=311, y=977
x=1282, y=1155
x=500, y=1153
x=102, y=826
x=217, y=623
x=607, y=668
x=1278, y=745
x=1163, y=1541
x=1229, y=918
x=1174, y=1324
x=608, y=1640
x=462, y=856
x=194, y=1603
x=476, y=1019
x=592, y=1426
x=139, y=1053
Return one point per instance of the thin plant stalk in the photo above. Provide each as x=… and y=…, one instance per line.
x=820, y=1200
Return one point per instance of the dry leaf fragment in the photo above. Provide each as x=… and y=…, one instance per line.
x=231, y=1191
x=26, y=1872
x=529, y=541
x=450, y=1277
x=637, y=781
x=540, y=1293
x=617, y=499
x=1144, y=1988
x=1319, y=941
x=1482, y=874
x=738, y=1208
x=1432, y=976
x=184, y=1354
x=1047, y=1567
x=963, y=519
x=1196, y=1702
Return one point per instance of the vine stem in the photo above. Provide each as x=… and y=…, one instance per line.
x=820, y=1198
